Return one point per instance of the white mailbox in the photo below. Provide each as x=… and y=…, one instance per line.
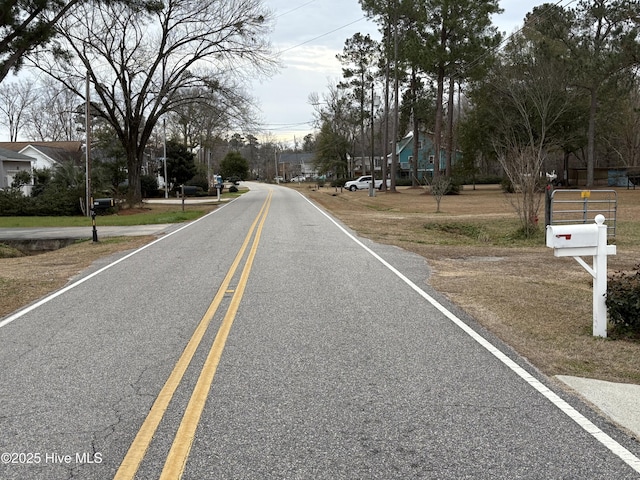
x=583, y=240
x=572, y=236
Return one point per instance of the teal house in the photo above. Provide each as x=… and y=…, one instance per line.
x=425, y=158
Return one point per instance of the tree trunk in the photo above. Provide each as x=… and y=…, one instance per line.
x=438, y=127
x=134, y=192
x=362, y=142
x=396, y=88
x=134, y=171
x=416, y=133
x=591, y=138
x=385, y=140
x=449, y=161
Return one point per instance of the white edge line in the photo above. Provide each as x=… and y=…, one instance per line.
x=624, y=454
x=48, y=298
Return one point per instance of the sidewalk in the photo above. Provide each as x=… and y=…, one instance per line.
x=618, y=401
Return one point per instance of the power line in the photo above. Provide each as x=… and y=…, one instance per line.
x=323, y=35
x=294, y=9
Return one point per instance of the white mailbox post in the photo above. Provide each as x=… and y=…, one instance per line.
x=583, y=240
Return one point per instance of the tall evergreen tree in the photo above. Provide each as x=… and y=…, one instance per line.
x=25, y=27
x=451, y=39
x=602, y=43
x=359, y=58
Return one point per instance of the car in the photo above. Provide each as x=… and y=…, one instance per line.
x=363, y=182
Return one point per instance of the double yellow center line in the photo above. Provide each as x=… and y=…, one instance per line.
x=177, y=457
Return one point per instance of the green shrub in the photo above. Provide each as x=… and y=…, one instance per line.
x=53, y=201
x=11, y=203
x=403, y=182
x=623, y=299
x=199, y=181
x=468, y=179
x=455, y=187
x=507, y=186
x=149, y=186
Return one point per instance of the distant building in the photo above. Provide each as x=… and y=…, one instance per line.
x=425, y=158
x=362, y=165
x=296, y=164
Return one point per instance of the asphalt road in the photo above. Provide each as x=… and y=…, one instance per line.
x=264, y=341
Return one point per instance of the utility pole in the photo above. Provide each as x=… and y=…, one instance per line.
x=164, y=157
x=88, y=206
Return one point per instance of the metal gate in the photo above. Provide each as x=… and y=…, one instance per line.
x=582, y=206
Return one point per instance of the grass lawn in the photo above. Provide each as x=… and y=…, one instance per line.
x=150, y=213
x=140, y=218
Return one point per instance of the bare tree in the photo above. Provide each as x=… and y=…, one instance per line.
x=143, y=62
x=530, y=100
x=336, y=117
x=14, y=99
x=623, y=138
x=212, y=114
x=439, y=187
x=52, y=114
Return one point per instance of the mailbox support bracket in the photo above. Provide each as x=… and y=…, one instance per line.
x=586, y=266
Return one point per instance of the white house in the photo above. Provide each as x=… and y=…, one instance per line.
x=16, y=156
x=47, y=154
x=11, y=163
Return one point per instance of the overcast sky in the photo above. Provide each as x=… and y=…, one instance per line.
x=308, y=34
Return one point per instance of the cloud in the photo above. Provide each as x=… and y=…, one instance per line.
x=314, y=58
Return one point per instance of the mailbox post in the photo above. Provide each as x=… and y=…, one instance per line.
x=100, y=204
x=583, y=240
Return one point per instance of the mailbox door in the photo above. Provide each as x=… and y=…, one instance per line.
x=572, y=236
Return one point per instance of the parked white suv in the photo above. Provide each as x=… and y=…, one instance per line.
x=363, y=183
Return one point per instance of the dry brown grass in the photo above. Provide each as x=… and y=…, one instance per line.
x=25, y=279
x=538, y=304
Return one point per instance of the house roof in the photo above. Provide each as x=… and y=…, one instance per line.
x=56, y=151
x=6, y=154
x=402, y=144
x=71, y=147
